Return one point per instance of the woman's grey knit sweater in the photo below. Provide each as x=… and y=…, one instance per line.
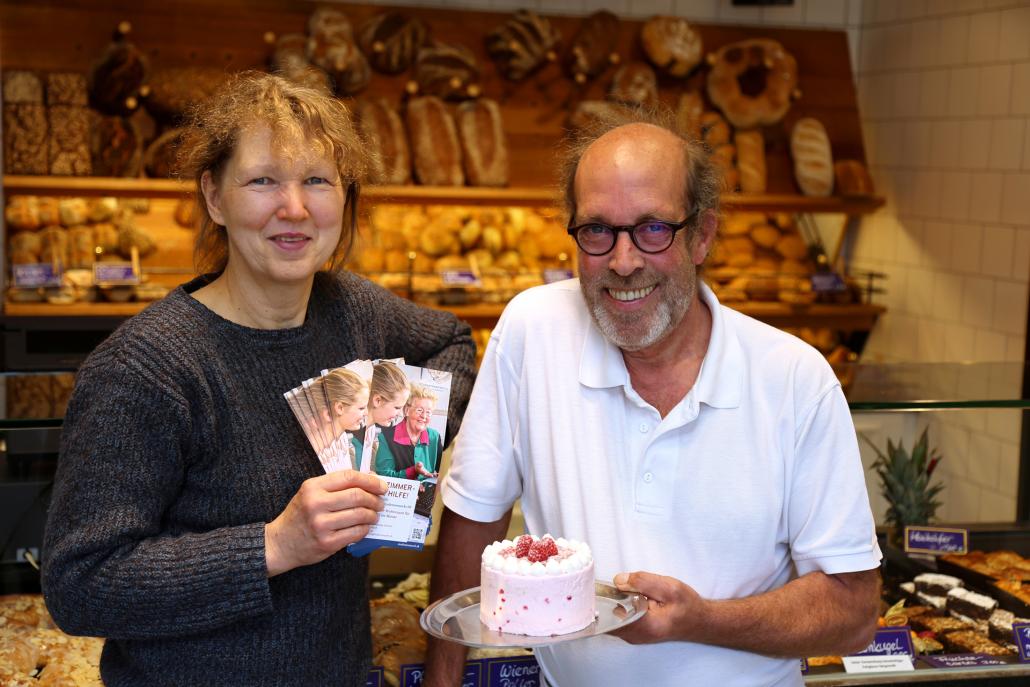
x=177, y=448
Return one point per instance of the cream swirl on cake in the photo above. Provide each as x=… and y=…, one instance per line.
x=537, y=586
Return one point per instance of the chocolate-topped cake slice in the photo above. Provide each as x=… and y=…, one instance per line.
x=936, y=584
x=976, y=606
x=999, y=625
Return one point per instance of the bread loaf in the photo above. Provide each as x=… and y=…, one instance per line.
x=671, y=45
x=391, y=41
x=159, y=159
x=593, y=46
x=382, y=128
x=634, y=83
x=116, y=147
x=290, y=53
x=434, y=142
x=22, y=213
x=446, y=71
x=751, y=160
x=25, y=139
x=813, y=161
x=689, y=108
x=714, y=130
x=174, y=90
x=22, y=87
x=331, y=47
x=483, y=146
x=522, y=44
x=68, y=147
x=852, y=178
x=115, y=80
x=66, y=88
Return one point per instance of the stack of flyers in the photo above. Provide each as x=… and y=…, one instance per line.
x=384, y=417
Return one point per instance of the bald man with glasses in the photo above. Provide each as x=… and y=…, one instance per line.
x=708, y=459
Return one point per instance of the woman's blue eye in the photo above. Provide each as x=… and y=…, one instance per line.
x=260, y=181
x=317, y=180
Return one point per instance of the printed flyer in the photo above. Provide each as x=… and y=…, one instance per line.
x=385, y=417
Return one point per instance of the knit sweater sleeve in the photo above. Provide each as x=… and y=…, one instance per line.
x=110, y=568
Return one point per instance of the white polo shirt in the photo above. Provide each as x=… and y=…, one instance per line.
x=752, y=479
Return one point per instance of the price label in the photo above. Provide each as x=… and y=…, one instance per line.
x=114, y=273
x=513, y=672
x=413, y=675
x=459, y=278
x=962, y=660
x=35, y=275
x=374, y=677
x=890, y=650
x=1021, y=634
x=828, y=282
x=553, y=275
x=935, y=540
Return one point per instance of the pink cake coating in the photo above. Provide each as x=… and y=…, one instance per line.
x=538, y=598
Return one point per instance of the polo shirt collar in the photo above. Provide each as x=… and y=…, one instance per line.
x=719, y=383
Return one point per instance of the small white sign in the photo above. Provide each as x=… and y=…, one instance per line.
x=877, y=664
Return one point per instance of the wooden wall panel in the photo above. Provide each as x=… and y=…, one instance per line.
x=50, y=35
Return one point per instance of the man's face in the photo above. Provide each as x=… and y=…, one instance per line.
x=636, y=298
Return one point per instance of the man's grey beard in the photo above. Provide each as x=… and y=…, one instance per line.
x=677, y=293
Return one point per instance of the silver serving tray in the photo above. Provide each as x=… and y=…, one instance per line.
x=456, y=619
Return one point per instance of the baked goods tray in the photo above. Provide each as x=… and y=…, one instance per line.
x=985, y=585
x=456, y=619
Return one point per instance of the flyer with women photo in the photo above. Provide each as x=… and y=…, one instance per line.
x=384, y=417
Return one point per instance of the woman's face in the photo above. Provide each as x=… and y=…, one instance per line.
x=418, y=414
x=351, y=417
x=283, y=211
x=384, y=411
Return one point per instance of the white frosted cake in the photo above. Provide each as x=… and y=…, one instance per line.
x=537, y=587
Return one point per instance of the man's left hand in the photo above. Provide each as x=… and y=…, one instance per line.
x=672, y=608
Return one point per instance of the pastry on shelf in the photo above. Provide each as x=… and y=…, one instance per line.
x=635, y=84
x=752, y=82
x=671, y=45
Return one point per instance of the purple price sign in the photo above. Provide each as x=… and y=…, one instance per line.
x=34, y=275
x=459, y=278
x=513, y=672
x=889, y=641
x=412, y=675
x=962, y=660
x=804, y=666
x=114, y=273
x=1021, y=634
x=553, y=275
x=375, y=677
x=935, y=540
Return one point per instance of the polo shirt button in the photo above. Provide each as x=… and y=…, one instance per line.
x=644, y=428
x=648, y=477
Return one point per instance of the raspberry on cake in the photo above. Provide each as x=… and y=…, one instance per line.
x=537, y=586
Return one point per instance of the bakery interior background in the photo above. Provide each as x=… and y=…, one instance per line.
x=943, y=92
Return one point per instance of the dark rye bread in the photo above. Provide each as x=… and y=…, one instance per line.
x=446, y=71
x=522, y=44
x=483, y=145
x=382, y=128
x=68, y=148
x=391, y=41
x=434, y=142
x=66, y=88
x=593, y=46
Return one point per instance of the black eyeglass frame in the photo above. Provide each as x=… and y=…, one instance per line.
x=631, y=230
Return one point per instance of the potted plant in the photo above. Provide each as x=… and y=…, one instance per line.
x=905, y=483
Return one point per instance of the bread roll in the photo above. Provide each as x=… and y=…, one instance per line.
x=434, y=140
x=671, y=45
x=383, y=129
x=813, y=161
x=483, y=145
x=765, y=235
x=751, y=160
x=792, y=247
x=22, y=213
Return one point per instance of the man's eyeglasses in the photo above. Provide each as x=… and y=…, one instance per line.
x=649, y=236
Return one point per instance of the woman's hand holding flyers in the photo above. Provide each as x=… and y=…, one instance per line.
x=326, y=514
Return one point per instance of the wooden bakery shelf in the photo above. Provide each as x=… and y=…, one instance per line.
x=458, y=195
x=859, y=317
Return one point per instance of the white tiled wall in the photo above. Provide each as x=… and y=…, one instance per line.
x=954, y=162
x=944, y=94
